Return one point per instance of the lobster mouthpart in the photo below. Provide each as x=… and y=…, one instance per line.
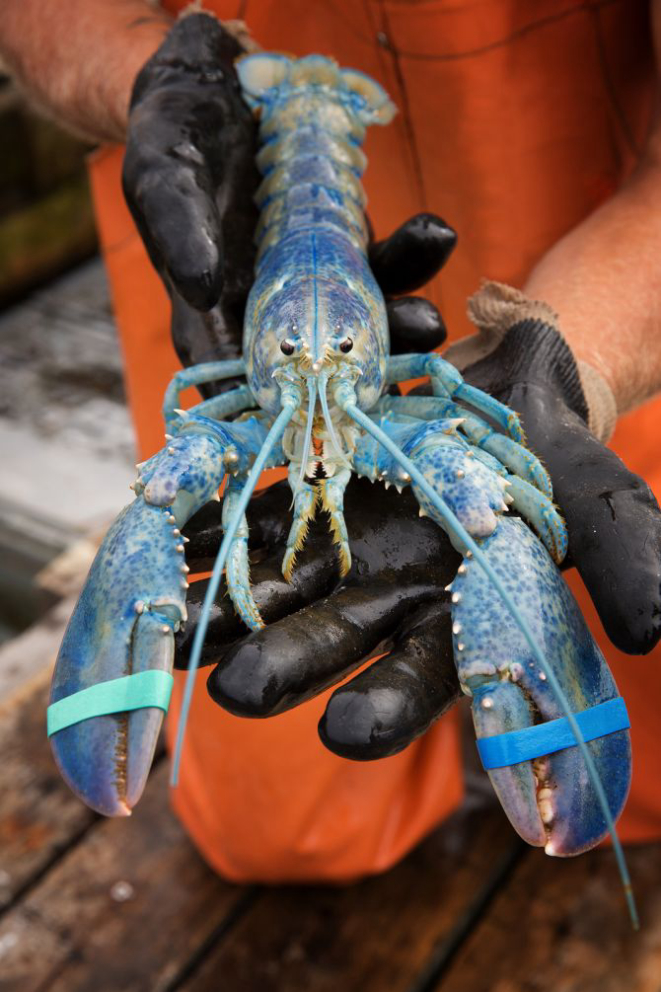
x=123, y=623
x=550, y=800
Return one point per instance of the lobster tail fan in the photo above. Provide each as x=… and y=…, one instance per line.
x=261, y=72
x=270, y=442
x=372, y=103
x=462, y=535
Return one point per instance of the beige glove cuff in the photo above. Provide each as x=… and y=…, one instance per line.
x=494, y=309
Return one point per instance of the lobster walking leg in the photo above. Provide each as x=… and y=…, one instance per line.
x=197, y=375
x=518, y=459
x=306, y=497
x=238, y=567
x=448, y=383
x=226, y=404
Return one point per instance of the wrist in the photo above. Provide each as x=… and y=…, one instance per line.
x=199, y=50
x=113, y=92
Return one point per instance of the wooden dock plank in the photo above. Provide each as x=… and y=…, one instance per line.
x=39, y=816
x=562, y=926
x=385, y=933
x=125, y=909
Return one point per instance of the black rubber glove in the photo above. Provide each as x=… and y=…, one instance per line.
x=394, y=595
x=189, y=179
x=613, y=519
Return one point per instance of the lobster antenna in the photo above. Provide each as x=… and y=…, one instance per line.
x=329, y=421
x=462, y=534
x=270, y=441
x=312, y=402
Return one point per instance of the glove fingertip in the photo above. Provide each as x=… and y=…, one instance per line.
x=202, y=289
x=631, y=622
x=352, y=727
x=243, y=686
x=413, y=254
x=415, y=325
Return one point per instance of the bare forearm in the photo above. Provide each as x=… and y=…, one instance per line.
x=604, y=280
x=77, y=59
x=604, y=277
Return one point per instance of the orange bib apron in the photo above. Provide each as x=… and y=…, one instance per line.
x=516, y=120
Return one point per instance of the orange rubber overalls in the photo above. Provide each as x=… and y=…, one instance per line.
x=516, y=120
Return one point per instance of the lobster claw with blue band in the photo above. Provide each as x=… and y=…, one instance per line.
x=543, y=786
x=317, y=365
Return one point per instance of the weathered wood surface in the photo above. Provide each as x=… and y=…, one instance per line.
x=127, y=908
x=562, y=926
x=392, y=932
x=39, y=818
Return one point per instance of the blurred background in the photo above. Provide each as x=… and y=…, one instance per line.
x=65, y=436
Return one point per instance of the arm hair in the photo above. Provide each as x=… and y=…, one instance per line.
x=76, y=60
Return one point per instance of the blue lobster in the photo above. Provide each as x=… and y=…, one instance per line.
x=316, y=365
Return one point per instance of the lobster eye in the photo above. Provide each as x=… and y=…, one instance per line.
x=287, y=347
x=346, y=345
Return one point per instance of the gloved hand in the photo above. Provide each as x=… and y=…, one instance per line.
x=613, y=519
x=189, y=179
x=394, y=595
x=395, y=590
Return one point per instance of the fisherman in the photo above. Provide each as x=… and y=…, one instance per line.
x=535, y=130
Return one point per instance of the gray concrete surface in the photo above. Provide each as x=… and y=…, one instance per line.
x=66, y=442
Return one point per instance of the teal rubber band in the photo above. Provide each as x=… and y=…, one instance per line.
x=555, y=735
x=131, y=692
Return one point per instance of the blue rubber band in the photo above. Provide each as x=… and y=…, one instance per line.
x=556, y=735
x=131, y=692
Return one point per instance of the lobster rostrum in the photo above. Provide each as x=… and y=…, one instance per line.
x=317, y=367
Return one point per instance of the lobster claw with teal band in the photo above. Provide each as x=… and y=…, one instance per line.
x=317, y=365
x=141, y=691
